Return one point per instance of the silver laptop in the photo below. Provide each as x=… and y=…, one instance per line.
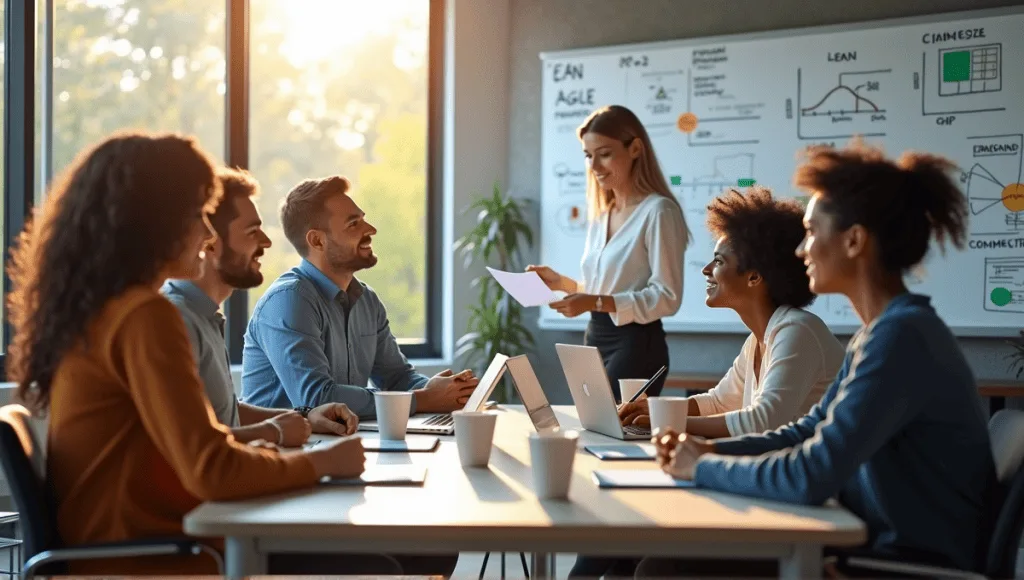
x=531, y=394
x=443, y=423
x=592, y=393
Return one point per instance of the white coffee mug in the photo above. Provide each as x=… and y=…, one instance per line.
x=668, y=413
x=629, y=387
x=392, y=413
x=474, y=437
x=551, y=458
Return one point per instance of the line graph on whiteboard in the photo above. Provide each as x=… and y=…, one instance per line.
x=993, y=185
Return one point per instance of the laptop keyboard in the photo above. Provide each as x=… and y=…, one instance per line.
x=440, y=421
x=636, y=430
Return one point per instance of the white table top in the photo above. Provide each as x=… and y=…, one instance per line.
x=479, y=508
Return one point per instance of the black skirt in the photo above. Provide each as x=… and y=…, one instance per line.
x=631, y=351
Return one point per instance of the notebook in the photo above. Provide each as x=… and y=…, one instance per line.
x=411, y=444
x=621, y=451
x=383, y=475
x=378, y=445
x=638, y=479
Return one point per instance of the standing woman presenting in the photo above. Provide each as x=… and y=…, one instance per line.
x=632, y=265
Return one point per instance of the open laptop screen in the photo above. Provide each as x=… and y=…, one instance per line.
x=490, y=380
x=531, y=393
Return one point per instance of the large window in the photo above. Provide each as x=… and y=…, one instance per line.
x=340, y=87
x=314, y=87
x=3, y=206
x=156, y=65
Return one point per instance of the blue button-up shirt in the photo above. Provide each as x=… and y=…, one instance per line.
x=309, y=343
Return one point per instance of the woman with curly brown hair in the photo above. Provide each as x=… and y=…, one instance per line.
x=790, y=357
x=132, y=442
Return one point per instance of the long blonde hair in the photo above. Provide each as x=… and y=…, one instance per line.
x=619, y=123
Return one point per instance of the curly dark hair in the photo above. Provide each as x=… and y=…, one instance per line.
x=764, y=232
x=115, y=219
x=902, y=203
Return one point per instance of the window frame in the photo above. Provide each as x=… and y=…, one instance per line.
x=18, y=133
x=237, y=155
x=19, y=136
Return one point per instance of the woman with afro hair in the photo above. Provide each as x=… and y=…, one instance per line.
x=790, y=357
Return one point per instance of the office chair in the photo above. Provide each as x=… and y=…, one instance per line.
x=1006, y=431
x=24, y=463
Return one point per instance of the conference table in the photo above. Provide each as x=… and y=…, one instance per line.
x=493, y=509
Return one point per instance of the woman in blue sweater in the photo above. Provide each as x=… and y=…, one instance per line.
x=900, y=437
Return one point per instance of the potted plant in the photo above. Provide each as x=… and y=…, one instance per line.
x=1017, y=356
x=495, y=319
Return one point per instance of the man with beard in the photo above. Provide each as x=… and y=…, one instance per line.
x=230, y=262
x=318, y=334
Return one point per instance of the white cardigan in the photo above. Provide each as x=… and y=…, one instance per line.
x=801, y=359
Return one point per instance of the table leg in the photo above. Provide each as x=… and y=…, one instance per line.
x=241, y=558
x=541, y=569
x=803, y=562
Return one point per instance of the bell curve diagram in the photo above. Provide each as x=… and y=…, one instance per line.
x=853, y=102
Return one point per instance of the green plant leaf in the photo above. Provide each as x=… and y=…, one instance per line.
x=498, y=237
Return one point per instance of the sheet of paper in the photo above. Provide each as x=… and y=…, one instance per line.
x=526, y=287
x=638, y=478
x=412, y=443
x=383, y=475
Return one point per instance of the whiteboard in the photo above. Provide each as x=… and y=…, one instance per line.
x=952, y=84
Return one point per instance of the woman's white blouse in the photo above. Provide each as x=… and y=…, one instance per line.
x=641, y=266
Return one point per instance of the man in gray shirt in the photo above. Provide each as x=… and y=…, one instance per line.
x=232, y=262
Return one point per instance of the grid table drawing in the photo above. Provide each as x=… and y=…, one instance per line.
x=968, y=70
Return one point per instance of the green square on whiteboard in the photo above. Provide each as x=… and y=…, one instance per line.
x=956, y=66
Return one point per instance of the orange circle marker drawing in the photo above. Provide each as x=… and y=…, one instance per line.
x=1013, y=197
x=687, y=122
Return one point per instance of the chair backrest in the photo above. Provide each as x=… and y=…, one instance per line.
x=1006, y=431
x=23, y=460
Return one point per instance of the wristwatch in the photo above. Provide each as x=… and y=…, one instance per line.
x=597, y=305
x=304, y=411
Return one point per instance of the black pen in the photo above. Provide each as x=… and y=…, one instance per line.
x=649, y=382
